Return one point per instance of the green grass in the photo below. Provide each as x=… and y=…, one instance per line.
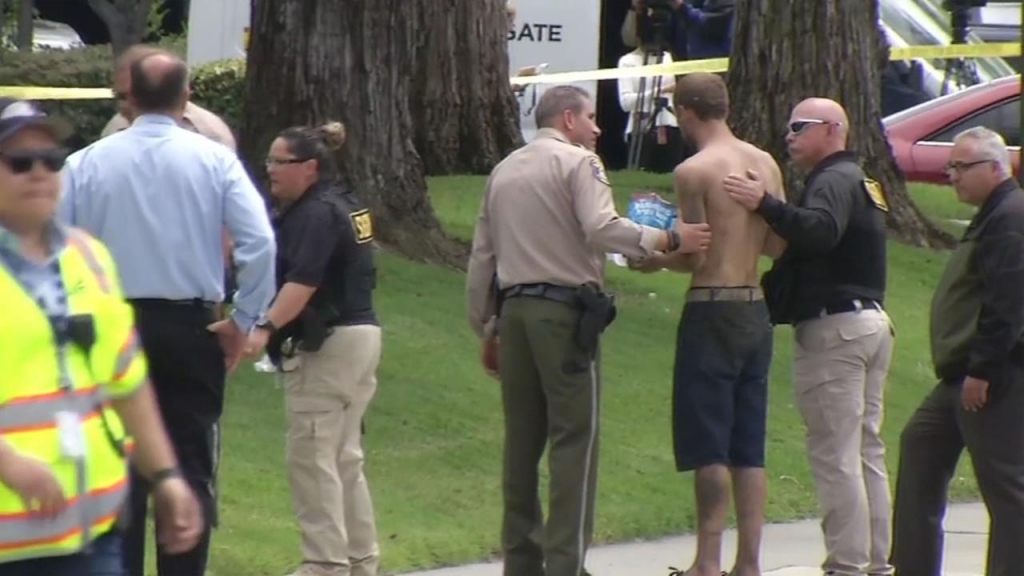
x=434, y=432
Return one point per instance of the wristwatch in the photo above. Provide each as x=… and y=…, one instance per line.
x=267, y=325
x=164, y=474
x=674, y=241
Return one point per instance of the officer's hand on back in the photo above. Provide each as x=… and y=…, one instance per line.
x=34, y=482
x=693, y=237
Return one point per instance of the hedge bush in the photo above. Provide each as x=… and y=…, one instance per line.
x=218, y=86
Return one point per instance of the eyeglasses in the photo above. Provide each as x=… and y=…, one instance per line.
x=798, y=126
x=961, y=167
x=284, y=161
x=22, y=161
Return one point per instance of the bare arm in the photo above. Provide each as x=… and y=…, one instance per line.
x=690, y=194
x=774, y=245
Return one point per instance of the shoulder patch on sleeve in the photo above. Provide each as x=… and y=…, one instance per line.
x=362, y=225
x=597, y=167
x=876, y=194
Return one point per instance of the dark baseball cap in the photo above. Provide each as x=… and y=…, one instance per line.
x=16, y=115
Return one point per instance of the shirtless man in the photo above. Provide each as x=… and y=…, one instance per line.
x=724, y=342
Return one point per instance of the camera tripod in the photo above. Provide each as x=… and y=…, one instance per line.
x=643, y=125
x=960, y=72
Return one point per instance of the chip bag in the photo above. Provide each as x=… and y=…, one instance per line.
x=649, y=209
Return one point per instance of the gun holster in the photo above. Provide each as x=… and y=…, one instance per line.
x=314, y=330
x=597, y=313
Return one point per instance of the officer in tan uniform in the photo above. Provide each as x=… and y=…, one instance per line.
x=196, y=118
x=546, y=221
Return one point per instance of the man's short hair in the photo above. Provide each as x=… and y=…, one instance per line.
x=159, y=92
x=991, y=145
x=558, y=99
x=704, y=93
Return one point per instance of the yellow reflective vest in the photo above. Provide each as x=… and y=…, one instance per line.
x=34, y=390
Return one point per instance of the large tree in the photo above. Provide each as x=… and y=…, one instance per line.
x=787, y=50
x=360, y=61
x=126, y=20
x=464, y=113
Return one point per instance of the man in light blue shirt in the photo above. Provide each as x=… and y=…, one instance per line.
x=159, y=196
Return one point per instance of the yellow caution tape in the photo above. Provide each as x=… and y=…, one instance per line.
x=45, y=93
x=998, y=50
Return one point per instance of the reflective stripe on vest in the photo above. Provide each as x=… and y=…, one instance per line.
x=77, y=239
x=23, y=536
x=39, y=412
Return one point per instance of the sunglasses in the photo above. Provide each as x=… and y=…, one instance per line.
x=22, y=161
x=798, y=126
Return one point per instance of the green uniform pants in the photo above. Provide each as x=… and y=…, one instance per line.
x=550, y=391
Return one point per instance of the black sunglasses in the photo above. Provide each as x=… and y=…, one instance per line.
x=22, y=161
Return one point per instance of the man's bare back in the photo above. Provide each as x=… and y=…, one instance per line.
x=740, y=236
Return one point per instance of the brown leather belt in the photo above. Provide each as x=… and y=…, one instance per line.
x=728, y=294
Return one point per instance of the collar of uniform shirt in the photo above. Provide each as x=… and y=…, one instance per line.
x=155, y=120
x=552, y=133
x=10, y=246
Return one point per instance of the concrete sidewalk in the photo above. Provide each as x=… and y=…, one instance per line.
x=788, y=550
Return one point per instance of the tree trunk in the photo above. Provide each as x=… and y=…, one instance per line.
x=352, y=61
x=126, y=20
x=787, y=50
x=463, y=109
x=26, y=25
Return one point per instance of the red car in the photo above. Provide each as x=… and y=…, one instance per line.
x=922, y=136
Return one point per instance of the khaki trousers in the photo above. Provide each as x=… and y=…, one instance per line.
x=839, y=371
x=326, y=397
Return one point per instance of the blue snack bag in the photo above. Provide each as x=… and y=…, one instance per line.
x=650, y=209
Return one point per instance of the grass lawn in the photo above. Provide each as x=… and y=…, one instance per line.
x=434, y=432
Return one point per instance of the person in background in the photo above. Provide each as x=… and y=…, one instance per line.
x=708, y=25
x=75, y=381
x=977, y=342
x=194, y=118
x=324, y=336
x=160, y=196
x=651, y=118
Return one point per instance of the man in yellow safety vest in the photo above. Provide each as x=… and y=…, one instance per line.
x=74, y=384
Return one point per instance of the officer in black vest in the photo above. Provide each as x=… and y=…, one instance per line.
x=322, y=334
x=830, y=285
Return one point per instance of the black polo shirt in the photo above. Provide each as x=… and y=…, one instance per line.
x=836, y=237
x=324, y=240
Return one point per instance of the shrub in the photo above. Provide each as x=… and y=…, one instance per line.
x=218, y=86
x=88, y=67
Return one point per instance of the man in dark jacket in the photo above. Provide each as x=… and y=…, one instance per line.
x=977, y=342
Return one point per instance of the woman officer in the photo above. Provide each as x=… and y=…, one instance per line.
x=322, y=333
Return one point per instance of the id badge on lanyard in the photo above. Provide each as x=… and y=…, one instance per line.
x=72, y=437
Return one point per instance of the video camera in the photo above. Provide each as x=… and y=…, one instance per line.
x=960, y=17
x=653, y=21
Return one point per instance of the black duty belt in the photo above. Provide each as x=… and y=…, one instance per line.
x=163, y=302
x=561, y=294
x=855, y=305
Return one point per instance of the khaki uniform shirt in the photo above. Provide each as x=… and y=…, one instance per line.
x=547, y=216
x=196, y=118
